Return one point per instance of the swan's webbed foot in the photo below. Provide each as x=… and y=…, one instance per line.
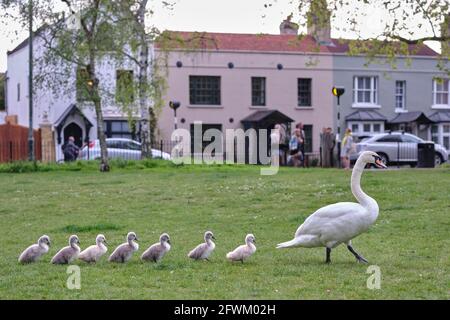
x=358, y=257
x=328, y=258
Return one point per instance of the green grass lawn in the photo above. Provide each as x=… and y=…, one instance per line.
x=410, y=241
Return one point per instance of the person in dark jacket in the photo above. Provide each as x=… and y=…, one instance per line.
x=70, y=150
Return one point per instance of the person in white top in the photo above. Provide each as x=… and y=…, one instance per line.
x=275, y=139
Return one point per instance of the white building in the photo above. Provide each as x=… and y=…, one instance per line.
x=65, y=109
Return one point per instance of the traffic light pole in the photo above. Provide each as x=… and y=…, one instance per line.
x=338, y=92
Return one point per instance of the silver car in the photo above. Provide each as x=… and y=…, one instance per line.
x=126, y=149
x=397, y=147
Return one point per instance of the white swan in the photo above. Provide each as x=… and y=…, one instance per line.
x=340, y=222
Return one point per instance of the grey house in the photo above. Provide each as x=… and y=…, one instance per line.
x=412, y=97
x=408, y=98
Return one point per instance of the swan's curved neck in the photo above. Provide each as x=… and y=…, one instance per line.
x=359, y=194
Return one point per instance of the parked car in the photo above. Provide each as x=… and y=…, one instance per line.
x=397, y=147
x=119, y=148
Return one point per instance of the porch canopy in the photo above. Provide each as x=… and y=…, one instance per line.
x=72, y=110
x=414, y=116
x=365, y=115
x=265, y=119
x=440, y=116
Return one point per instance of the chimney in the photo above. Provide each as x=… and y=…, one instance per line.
x=319, y=24
x=288, y=27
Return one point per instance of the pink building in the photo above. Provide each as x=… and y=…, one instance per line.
x=230, y=81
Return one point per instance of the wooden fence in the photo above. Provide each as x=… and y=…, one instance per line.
x=14, y=143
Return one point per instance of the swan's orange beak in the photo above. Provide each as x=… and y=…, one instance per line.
x=380, y=164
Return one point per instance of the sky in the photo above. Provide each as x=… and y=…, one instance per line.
x=235, y=16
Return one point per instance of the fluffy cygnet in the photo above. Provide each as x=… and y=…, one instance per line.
x=68, y=254
x=125, y=251
x=93, y=253
x=157, y=251
x=203, y=250
x=244, y=251
x=35, y=251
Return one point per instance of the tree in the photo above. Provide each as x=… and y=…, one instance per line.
x=83, y=47
x=134, y=33
x=69, y=40
x=82, y=34
x=406, y=25
x=2, y=91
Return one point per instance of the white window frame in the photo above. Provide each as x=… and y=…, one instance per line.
x=435, y=92
x=440, y=134
x=445, y=134
x=373, y=93
x=402, y=95
x=361, y=124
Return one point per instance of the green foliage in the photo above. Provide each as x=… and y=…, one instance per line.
x=88, y=166
x=404, y=28
x=125, y=87
x=314, y=162
x=409, y=241
x=97, y=227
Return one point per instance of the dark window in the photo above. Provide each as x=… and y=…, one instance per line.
x=124, y=86
x=202, y=144
x=18, y=92
x=308, y=128
x=204, y=90
x=130, y=145
x=258, y=91
x=120, y=129
x=82, y=84
x=113, y=144
x=410, y=139
x=390, y=138
x=304, y=92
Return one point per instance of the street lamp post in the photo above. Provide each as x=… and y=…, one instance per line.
x=30, y=83
x=338, y=92
x=174, y=105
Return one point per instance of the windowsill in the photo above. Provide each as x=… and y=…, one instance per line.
x=204, y=106
x=258, y=107
x=440, y=106
x=304, y=108
x=366, y=106
x=400, y=110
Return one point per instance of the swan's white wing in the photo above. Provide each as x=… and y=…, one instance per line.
x=337, y=222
